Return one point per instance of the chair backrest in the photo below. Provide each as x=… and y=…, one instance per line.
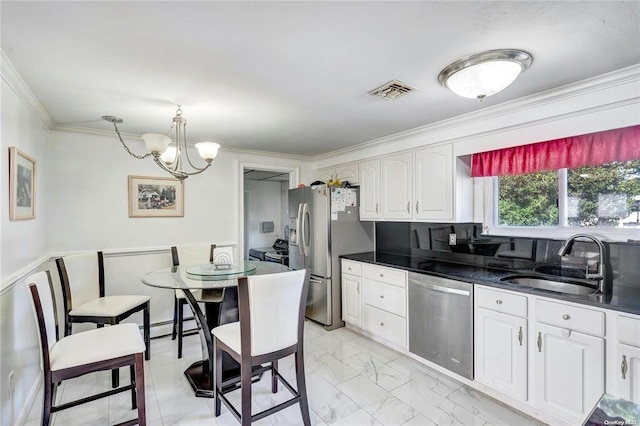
x=82, y=278
x=44, y=311
x=199, y=254
x=273, y=305
x=192, y=254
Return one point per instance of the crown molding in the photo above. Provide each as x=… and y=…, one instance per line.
x=13, y=79
x=562, y=93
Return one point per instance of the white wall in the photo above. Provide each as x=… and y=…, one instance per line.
x=21, y=249
x=263, y=203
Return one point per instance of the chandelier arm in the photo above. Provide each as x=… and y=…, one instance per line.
x=186, y=150
x=126, y=148
x=180, y=174
x=191, y=164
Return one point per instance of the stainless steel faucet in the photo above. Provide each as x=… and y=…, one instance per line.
x=600, y=275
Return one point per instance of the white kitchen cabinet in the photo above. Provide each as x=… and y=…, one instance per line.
x=370, y=189
x=433, y=184
x=345, y=172
x=501, y=341
x=385, y=303
x=569, y=365
x=352, y=292
x=396, y=186
x=627, y=359
x=628, y=372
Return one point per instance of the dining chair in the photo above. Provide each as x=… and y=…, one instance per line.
x=82, y=277
x=85, y=352
x=271, y=327
x=195, y=254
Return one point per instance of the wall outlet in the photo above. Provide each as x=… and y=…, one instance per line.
x=12, y=384
x=453, y=239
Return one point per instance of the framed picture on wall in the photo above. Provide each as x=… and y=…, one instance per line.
x=22, y=185
x=155, y=197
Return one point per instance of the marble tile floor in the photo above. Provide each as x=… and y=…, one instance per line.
x=351, y=381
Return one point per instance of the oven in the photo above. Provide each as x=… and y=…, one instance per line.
x=278, y=253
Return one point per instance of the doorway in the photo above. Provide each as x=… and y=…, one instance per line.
x=265, y=206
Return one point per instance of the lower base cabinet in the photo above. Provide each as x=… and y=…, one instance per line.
x=569, y=377
x=628, y=372
x=501, y=352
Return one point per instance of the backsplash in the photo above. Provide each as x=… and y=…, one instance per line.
x=431, y=240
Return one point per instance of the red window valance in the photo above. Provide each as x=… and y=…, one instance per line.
x=593, y=149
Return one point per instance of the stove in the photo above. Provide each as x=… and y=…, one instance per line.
x=278, y=252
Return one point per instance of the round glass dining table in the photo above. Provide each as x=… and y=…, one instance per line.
x=215, y=286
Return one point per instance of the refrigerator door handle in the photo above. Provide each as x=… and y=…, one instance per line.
x=299, y=230
x=306, y=244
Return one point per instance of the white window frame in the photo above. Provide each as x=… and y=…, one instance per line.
x=488, y=204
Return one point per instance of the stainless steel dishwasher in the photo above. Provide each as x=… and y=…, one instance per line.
x=441, y=322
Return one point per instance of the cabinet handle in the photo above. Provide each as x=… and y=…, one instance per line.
x=376, y=208
x=408, y=206
x=382, y=324
x=381, y=275
x=358, y=288
x=566, y=317
x=417, y=207
x=520, y=336
x=382, y=296
x=539, y=341
x=623, y=367
x=498, y=302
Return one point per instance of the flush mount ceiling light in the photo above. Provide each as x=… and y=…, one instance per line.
x=167, y=153
x=484, y=74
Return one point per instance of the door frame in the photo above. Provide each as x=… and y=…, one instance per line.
x=294, y=179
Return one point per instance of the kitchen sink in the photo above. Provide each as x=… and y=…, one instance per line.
x=548, y=283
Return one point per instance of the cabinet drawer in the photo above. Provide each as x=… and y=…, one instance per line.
x=386, y=297
x=628, y=330
x=352, y=268
x=570, y=317
x=386, y=275
x=501, y=301
x=385, y=325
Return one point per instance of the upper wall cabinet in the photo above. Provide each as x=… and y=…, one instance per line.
x=345, y=172
x=396, y=186
x=433, y=190
x=427, y=184
x=370, y=190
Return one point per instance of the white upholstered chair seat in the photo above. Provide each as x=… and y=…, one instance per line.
x=109, y=306
x=229, y=334
x=96, y=345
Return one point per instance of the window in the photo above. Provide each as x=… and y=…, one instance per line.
x=606, y=196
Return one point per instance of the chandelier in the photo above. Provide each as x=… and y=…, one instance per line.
x=484, y=74
x=167, y=153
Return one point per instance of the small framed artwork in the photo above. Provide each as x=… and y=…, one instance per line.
x=155, y=197
x=22, y=185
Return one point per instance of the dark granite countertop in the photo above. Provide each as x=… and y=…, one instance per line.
x=623, y=298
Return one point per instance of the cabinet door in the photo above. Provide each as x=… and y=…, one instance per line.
x=325, y=175
x=628, y=372
x=569, y=372
x=348, y=172
x=370, y=189
x=352, y=299
x=501, y=352
x=396, y=185
x=433, y=197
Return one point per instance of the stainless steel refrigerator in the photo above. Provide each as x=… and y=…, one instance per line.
x=324, y=223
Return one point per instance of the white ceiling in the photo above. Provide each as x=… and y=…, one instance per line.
x=293, y=77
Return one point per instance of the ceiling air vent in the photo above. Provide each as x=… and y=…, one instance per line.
x=392, y=90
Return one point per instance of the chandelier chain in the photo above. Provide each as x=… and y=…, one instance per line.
x=126, y=148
